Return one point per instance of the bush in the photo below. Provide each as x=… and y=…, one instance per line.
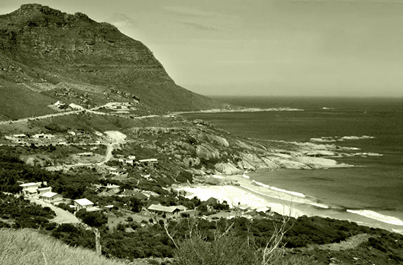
x=228, y=247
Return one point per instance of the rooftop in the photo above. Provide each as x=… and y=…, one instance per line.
x=84, y=202
x=167, y=209
x=29, y=184
x=49, y=194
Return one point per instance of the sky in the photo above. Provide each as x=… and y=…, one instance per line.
x=263, y=47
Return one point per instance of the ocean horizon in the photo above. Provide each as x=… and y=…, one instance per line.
x=370, y=192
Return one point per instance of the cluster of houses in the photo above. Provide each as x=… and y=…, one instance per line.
x=23, y=137
x=32, y=190
x=131, y=160
x=119, y=107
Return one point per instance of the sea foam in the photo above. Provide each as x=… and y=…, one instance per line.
x=377, y=216
x=298, y=194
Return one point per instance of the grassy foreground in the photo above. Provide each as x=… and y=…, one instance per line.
x=29, y=247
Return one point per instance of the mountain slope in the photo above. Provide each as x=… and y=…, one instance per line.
x=41, y=45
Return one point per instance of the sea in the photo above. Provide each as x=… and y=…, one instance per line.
x=370, y=192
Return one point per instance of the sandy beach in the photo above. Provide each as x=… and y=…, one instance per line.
x=247, y=195
x=254, y=195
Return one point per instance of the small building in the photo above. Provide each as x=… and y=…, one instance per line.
x=43, y=136
x=83, y=204
x=60, y=105
x=16, y=137
x=169, y=211
x=148, y=162
x=85, y=154
x=52, y=197
x=44, y=190
x=94, y=209
x=118, y=105
x=126, y=161
x=76, y=107
x=188, y=213
x=108, y=207
x=112, y=186
x=30, y=189
x=21, y=135
x=117, y=171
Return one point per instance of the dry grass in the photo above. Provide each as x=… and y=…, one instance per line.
x=29, y=247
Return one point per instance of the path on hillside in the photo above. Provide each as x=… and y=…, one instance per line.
x=62, y=216
x=350, y=243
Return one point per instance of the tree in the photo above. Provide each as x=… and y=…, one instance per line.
x=93, y=219
x=136, y=204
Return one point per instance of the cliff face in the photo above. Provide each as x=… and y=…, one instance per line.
x=41, y=44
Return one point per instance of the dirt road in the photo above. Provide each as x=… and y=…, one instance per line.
x=62, y=216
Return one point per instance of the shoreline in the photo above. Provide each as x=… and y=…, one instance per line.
x=254, y=195
x=236, y=110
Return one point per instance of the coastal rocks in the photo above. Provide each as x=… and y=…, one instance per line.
x=243, y=145
x=213, y=139
x=317, y=162
x=207, y=152
x=217, y=140
x=251, y=147
x=285, y=163
x=319, y=153
x=252, y=162
x=228, y=169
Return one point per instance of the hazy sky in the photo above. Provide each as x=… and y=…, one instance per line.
x=263, y=47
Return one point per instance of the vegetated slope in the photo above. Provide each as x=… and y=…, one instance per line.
x=17, y=101
x=41, y=47
x=29, y=247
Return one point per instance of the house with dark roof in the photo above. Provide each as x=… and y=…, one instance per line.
x=169, y=211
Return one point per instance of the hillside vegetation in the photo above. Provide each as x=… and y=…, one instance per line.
x=17, y=102
x=28, y=247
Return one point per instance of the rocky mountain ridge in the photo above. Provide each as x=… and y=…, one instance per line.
x=42, y=47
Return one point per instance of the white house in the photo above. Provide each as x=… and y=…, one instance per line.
x=43, y=135
x=148, y=162
x=52, y=197
x=29, y=189
x=83, y=204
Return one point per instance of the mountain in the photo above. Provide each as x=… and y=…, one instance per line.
x=45, y=50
